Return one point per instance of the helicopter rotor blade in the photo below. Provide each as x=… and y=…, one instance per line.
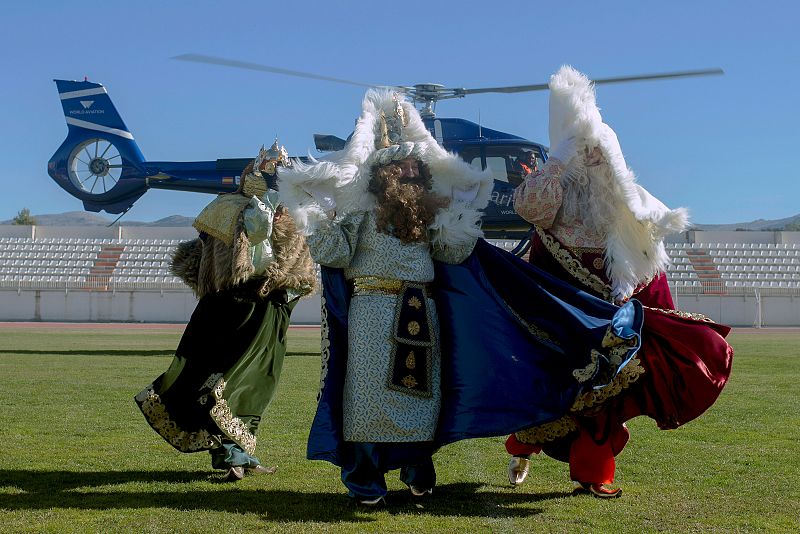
x=617, y=79
x=225, y=62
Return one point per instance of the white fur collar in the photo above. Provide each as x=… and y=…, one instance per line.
x=343, y=176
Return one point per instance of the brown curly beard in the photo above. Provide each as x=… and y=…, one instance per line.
x=405, y=208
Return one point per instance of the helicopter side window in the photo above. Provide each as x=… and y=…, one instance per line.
x=508, y=164
x=476, y=162
x=498, y=166
x=472, y=156
x=519, y=162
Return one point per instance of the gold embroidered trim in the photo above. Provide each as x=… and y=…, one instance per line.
x=618, y=349
x=533, y=330
x=610, y=339
x=409, y=381
x=413, y=328
x=618, y=346
x=156, y=414
x=233, y=427
x=573, y=266
x=548, y=431
x=325, y=346
x=683, y=314
x=590, y=250
x=584, y=374
x=627, y=376
x=616, y=353
x=372, y=285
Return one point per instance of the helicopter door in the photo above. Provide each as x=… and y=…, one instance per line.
x=472, y=155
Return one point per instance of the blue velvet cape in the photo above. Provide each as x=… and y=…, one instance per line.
x=511, y=336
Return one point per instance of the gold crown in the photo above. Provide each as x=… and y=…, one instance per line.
x=253, y=181
x=269, y=160
x=392, y=128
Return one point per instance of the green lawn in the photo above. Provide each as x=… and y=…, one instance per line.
x=77, y=455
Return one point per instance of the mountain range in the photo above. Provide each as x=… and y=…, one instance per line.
x=793, y=223
x=85, y=218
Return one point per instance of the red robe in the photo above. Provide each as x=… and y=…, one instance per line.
x=684, y=364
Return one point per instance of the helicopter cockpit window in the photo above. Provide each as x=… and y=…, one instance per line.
x=506, y=163
x=497, y=166
x=512, y=164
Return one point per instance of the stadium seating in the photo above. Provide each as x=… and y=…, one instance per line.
x=130, y=264
x=737, y=267
x=87, y=263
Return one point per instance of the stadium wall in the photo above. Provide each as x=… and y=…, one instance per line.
x=743, y=310
x=64, y=305
x=145, y=306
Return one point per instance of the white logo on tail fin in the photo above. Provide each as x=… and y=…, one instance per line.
x=87, y=103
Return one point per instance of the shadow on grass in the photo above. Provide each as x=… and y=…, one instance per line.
x=117, y=352
x=102, y=352
x=44, y=490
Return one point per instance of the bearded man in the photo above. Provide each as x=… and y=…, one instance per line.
x=377, y=215
x=249, y=267
x=600, y=231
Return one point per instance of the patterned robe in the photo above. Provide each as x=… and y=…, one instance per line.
x=374, y=409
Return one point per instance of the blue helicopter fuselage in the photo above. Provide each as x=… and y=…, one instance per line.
x=114, y=183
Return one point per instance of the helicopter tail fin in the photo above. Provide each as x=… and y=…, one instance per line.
x=87, y=106
x=99, y=162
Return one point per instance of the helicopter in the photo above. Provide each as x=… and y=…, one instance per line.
x=100, y=163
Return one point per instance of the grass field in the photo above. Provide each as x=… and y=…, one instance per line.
x=77, y=455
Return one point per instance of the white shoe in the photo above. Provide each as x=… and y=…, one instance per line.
x=260, y=470
x=234, y=473
x=376, y=502
x=417, y=492
x=518, y=470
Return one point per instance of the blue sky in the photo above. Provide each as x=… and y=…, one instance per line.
x=723, y=146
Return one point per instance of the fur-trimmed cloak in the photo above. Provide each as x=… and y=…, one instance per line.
x=207, y=265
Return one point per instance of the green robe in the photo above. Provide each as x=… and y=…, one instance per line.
x=224, y=373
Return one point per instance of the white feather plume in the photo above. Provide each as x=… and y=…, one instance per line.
x=637, y=221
